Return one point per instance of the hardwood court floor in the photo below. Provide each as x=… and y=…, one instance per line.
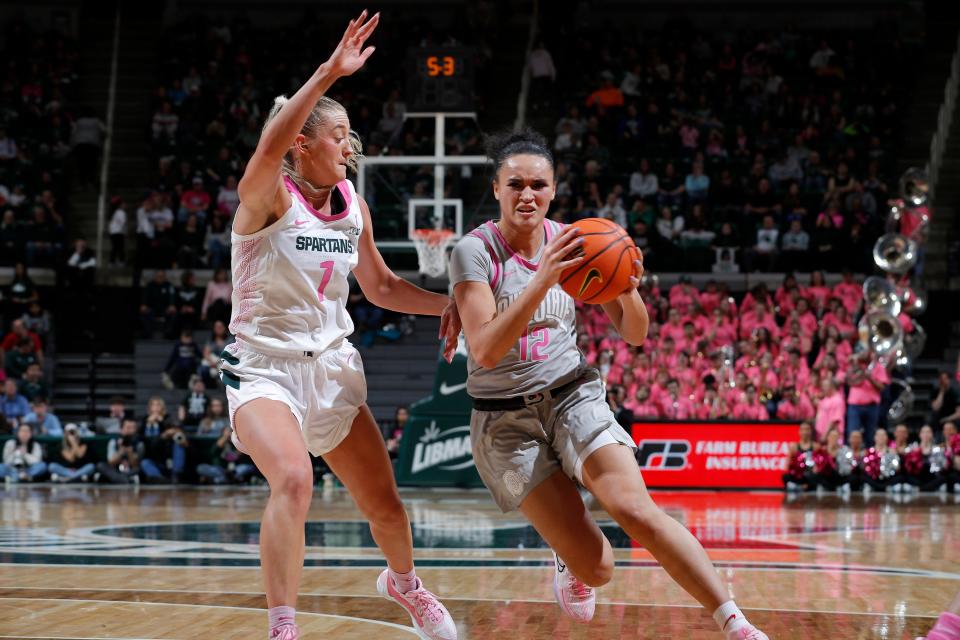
x=159, y=563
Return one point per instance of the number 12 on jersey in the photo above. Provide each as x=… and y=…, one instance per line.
x=533, y=344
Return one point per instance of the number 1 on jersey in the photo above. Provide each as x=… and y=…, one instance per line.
x=327, y=266
x=534, y=349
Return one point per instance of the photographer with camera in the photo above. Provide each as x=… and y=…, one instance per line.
x=229, y=465
x=167, y=445
x=77, y=458
x=22, y=457
x=124, y=455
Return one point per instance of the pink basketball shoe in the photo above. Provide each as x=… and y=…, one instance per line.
x=286, y=632
x=575, y=598
x=431, y=620
x=748, y=632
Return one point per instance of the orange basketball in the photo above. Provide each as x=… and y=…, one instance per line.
x=605, y=273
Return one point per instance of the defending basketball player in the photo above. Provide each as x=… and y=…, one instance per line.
x=540, y=421
x=294, y=382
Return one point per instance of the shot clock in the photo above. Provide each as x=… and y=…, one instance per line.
x=440, y=79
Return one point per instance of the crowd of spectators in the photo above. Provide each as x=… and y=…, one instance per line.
x=788, y=354
x=25, y=335
x=217, y=83
x=779, y=144
x=191, y=444
x=48, y=143
x=907, y=462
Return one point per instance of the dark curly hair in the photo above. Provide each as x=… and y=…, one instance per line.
x=507, y=143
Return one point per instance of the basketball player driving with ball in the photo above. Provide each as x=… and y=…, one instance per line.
x=540, y=421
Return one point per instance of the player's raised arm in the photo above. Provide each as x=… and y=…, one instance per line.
x=262, y=196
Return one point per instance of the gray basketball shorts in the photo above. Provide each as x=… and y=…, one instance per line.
x=516, y=450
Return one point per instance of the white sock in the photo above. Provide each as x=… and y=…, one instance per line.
x=729, y=617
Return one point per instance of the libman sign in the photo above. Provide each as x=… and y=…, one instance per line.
x=435, y=451
x=435, y=448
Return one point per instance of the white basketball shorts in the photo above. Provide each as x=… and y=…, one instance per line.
x=323, y=390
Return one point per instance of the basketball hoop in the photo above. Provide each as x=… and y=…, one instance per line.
x=431, y=247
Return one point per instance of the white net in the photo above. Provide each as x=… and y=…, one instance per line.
x=432, y=247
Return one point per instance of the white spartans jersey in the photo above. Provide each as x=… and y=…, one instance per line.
x=546, y=356
x=290, y=280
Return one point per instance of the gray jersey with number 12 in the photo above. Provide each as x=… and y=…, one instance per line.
x=546, y=356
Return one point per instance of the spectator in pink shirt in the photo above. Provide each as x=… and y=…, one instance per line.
x=866, y=380
x=748, y=355
x=832, y=346
x=795, y=405
x=793, y=370
x=710, y=297
x=759, y=316
x=763, y=376
x=840, y=319
x=765, y=342
x=787, y=293
x=666, y=357
x=734, y=395
x=796, y=339
x=712, y=406
x=749, y=407
x=756, y=295
x=786, y=306
x=806, y=318
x=673, y=327
x=831, y=410
x=642, y=405
x=849, y=292
x=195, y=201
x=719, y=330
x=683, y=295
x=685, y=374
x=674, y=405
x=217, y=300
x=818, y=291
x=830, y=368
x=629, y=382
x=642, y=370
x=688, y=341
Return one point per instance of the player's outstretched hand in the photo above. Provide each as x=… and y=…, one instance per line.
x=561, y=253
x=450, y=327
x=350, y=54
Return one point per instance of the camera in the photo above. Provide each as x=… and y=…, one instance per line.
x=180, y=439
x=127, y=441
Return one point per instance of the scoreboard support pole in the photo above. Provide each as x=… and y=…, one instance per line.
x=439, y=152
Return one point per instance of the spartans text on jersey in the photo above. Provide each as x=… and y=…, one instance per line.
x=328, y=245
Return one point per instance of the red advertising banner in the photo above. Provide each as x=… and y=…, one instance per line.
x=714, y=454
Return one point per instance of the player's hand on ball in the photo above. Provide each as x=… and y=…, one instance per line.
x=350, y=54
x=450, y=327
x=561, y=253
x=637, y=275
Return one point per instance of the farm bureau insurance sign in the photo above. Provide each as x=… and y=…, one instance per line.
x=714, y=454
